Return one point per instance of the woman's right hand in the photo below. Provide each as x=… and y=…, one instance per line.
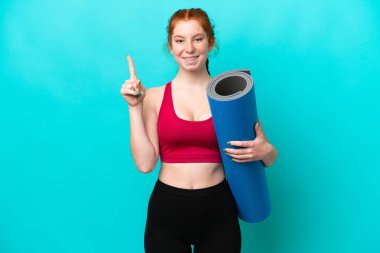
x=132, y=90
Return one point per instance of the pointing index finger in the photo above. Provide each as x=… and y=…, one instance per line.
x=132, y=70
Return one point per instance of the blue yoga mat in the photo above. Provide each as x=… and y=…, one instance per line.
x=232, y=102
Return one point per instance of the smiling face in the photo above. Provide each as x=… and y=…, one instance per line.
x=190, y=45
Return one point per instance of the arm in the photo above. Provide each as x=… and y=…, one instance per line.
x=143, y=121
x=144, y=139
x=271, y=156
x=254, y=150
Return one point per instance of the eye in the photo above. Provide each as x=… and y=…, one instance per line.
x=179, y=41
x=199, y=39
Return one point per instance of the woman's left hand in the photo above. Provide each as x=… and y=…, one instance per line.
x=253, y=150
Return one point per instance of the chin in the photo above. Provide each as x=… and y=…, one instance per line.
x=192, y=69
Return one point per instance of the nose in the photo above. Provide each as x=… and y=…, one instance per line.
x=189, y=47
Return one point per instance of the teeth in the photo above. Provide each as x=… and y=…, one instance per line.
x=190, y=60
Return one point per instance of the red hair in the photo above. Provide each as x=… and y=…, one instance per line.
x=192, y=14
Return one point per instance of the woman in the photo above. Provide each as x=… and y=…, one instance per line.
x=191, y=202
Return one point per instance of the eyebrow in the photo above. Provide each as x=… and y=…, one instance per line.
x=193, y=36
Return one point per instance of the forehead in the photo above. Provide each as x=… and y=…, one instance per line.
x=187, y=28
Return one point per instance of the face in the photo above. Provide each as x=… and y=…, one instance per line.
x=190, y=45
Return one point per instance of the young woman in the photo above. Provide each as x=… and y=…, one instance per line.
x=191, y=202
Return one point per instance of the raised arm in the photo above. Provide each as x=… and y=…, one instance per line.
x=143, y=132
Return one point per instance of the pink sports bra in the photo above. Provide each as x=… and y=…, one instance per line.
x=185, y=141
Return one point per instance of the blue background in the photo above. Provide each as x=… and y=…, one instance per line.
x=67, y=178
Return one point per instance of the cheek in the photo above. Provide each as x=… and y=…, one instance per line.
x=177, y=51
x=203, y=48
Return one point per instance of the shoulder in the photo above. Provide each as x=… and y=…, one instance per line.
x=155, y=91
x=154, y=96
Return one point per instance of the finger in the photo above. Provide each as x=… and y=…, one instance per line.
x=244, y=144
x=129, y=81
x=127, y=85
x=242, y=160
x=132, y=70
x=257, y=129
x=238, y=151
x=135, y=84
x=137, y=93
x=128, y=92
x=262, y=130
x=243, y=157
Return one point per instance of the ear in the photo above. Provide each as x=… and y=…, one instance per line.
x=211, y=46
x=171, y=52
x=170, y=48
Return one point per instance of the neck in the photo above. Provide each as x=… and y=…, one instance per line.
x=191, y=79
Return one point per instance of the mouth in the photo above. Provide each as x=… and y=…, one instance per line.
x=190, y=60
x=190, y=57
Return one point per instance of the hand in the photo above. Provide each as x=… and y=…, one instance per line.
x=132, y=90
x=253, y=150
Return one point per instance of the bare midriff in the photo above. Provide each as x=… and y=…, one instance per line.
x=191, y=175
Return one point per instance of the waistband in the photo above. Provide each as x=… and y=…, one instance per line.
x=192, y=192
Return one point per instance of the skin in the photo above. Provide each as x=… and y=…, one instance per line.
x=190, y=103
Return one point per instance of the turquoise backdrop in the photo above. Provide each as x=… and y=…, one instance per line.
x=67, y=178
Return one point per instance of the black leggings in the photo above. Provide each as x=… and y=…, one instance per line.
x=206, y=218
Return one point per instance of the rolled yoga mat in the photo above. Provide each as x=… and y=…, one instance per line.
x=232, y=102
